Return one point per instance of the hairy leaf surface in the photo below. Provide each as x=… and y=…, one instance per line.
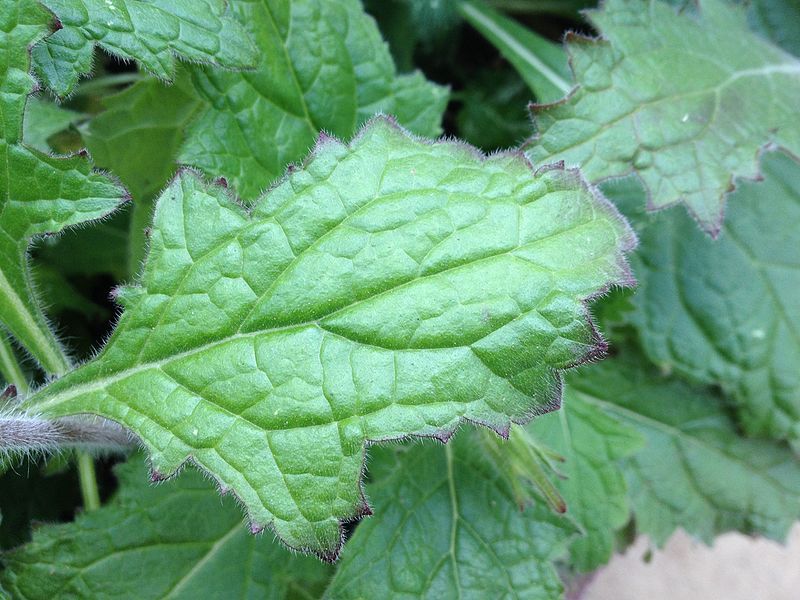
x=447, y=526
x=322, y=66
x=728, y=312
x=695, y=471
x=672, y=96
x=158, y=542
x=39, y=193
x=151, y=32
x=388, y=288
x=591, y=444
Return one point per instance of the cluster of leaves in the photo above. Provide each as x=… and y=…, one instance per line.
x=302, y=278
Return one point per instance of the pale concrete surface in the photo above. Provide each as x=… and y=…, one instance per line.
x=735, y=568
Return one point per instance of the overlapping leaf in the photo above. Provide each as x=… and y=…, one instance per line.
x=137, y=138
x=166, y=541
x=322, y=66
x=672, y=96
x=695, y=471
x=388, y=288
x=447, y=526
x=593, y=485
x=728, y=312
x=151, y=32
x=39, y=193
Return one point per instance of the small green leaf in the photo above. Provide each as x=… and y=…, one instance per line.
x=152, y=32
x=673, y=97
x=728, y=312
x=158, y=542
x=593, y=485
x=39, y=193
x=322, y=66
x=695, y=471
x=447, y=526
x=387, y=288
x=44, y=119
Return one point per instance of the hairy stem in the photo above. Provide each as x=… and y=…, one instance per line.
x=20, y=434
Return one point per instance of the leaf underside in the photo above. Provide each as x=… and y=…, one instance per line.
x=672, y=97
x=151, y=32
x=727, y=312
x=39, y=193
x=388, y=288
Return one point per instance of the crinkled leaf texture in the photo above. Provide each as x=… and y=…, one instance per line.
x=695, y=471
x=728, y=312
x=323, y=66
x=448, y=526
x=593, y=485
x=39, y=193
x=673, y=97
x=151, y=32
x=157, y=542
x=387, y=288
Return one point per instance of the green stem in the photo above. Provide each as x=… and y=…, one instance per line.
x=9, y=366
x=88, y=480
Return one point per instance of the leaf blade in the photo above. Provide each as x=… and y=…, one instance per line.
x=274, y=385
x=656, y=100
x=151, y=32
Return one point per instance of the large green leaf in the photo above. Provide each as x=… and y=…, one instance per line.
x=387, y=288
x=728, y=312
x=447, y=526
x=695, y=471
x=593, y=486
x=151, y=32
x=166, y=541
x=39, y=193
x=673, y=97
x=323, y=66
x=137, y=138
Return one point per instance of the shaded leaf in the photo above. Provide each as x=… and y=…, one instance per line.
x=151, y=32
x=695, y=471
x=323, y=66
x=44, y=119
x=388, y=288
x=447, y=526
x=728, y=312
x=779, y=20
x=137, y=138
x=672, y=96
x=541, y=63
x=166, y=541
x=591, y=443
